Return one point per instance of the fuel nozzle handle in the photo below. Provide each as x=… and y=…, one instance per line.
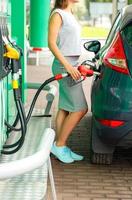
x=86, y=72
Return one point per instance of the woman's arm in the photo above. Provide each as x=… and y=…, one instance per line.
x=54, y=27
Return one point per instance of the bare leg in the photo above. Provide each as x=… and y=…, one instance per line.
x=69, y=123
x=60, y=117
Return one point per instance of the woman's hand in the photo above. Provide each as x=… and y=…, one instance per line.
x=74, y=73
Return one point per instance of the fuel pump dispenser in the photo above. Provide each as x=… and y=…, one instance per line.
x=4, y=70
x=12, y=55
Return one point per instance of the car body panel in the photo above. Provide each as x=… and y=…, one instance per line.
x=112, y=93
x=109, y=135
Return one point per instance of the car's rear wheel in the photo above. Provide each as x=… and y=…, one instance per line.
x=98, y=158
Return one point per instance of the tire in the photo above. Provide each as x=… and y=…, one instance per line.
x=98, y=158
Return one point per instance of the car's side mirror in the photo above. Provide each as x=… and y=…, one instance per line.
x=93, y=46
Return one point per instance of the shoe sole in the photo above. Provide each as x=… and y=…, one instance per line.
x=61, y=160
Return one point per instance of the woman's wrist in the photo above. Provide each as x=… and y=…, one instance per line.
x=67, y=66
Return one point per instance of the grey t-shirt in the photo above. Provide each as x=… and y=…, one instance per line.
x=68, y=40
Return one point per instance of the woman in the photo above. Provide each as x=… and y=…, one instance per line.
x=64, y=42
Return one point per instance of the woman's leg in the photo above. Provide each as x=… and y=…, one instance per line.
x=65, y=126
x=60, y=117
x=69, y=123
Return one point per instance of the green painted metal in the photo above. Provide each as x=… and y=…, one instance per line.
x=113, y=95
x=18, y=32
x=39, y=15
x=6, y=97
x=3, y=96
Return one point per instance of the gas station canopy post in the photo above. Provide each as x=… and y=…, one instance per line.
x=39, y=15
x=18, y=33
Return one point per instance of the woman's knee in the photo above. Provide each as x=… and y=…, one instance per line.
x=83, y=112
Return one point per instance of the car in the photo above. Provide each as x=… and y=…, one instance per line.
x=111, y=93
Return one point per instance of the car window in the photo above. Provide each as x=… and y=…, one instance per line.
x=127, y=32
x=114, y=29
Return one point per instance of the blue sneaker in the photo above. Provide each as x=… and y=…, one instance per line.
x=76, y=156
x=62, y=153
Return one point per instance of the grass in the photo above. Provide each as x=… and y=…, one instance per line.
x=94, y=32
